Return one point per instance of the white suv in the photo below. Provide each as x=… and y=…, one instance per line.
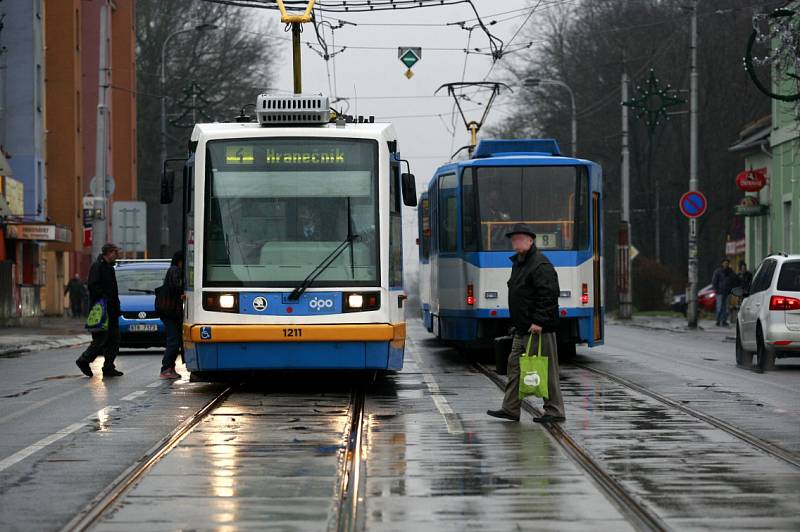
x=768, y=324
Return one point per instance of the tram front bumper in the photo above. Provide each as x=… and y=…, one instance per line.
x=253, y=347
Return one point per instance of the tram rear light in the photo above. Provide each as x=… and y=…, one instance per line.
x=585, y=294
x=470, y=295
x=361, y=301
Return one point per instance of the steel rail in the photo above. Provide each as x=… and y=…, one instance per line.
x=106, y=498
x=770, y=448
x=350, y=476
x=635, y=511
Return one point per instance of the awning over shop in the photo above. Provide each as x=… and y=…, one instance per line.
x=42, y=232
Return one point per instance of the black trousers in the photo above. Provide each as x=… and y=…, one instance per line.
x=104, y=343
x=77, y=307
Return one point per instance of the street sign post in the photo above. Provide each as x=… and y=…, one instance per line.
x=129, y=226
x=409, y=56
x=693, y=204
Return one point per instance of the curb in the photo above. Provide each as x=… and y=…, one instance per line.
x=68, y=342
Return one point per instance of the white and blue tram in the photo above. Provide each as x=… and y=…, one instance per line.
x=464, y=254
x=293, y=242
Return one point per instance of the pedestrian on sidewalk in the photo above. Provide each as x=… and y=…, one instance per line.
x=172, y=317
x=745, y=276
x=533, y=304
x=723, y=281
x=103, y=284
x=75, y=288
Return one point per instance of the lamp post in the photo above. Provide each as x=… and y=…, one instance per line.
x=164, y=211
x=535, y=82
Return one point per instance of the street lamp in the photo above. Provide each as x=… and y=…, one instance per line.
x=535, y=82
x=164, y=212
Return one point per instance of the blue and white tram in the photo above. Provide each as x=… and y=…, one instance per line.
x=464, y=254
x=293, y=242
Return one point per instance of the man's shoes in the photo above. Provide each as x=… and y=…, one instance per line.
x=502, y=414
x=549, y=418
x=726, y=324
x=112, y=372
x=84, y=367
x=169, y=374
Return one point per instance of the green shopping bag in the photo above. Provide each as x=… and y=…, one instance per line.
x=533, y=372
x=97, y=320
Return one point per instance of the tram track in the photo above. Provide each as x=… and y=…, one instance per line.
x=120, y=486
x=351, y=470
x=638, y=514
x=769, y=448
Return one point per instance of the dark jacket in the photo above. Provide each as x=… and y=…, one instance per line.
x=533, y=292
x=173, y=280
x=103, y=283
x=75, y=289
x=745, y=278
x=724, y=280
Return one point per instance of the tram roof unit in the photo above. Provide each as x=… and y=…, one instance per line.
x=215, y=130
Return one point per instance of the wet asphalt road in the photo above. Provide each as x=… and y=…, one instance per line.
x=271, y=455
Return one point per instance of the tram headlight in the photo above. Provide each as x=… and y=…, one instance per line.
x=221, y=302
x=355, y=301
x=227, y=301
x=361, y=301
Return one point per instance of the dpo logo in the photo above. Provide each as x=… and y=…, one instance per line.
x=320, y=304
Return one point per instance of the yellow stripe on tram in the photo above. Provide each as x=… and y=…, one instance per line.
x=375, y=332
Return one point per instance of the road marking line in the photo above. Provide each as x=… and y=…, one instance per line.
x=48, y=440
x=154, y=384
x=454, y=425
x=133, y=395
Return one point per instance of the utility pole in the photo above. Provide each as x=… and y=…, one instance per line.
x=691, y=297
x=624, y=252
x=100, y=225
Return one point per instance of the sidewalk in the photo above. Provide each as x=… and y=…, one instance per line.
x=52, y=332
x=705, y=328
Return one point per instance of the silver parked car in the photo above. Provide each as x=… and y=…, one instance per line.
x=768, y=324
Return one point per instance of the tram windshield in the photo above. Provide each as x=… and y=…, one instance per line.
x=551, y=199
x=278, y=207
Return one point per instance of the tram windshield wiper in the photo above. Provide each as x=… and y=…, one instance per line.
x=141, y=290
x=327, y=261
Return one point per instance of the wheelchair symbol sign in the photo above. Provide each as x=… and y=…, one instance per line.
x=205, y=333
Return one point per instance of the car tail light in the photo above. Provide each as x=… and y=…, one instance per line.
x=585, y=294
x=470, y=295
x=784, y=303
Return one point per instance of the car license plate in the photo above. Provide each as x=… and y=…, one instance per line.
x=143, y=327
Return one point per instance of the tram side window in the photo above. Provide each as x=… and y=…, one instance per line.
x=425, y=227
x=448, y=212
x=469, y=216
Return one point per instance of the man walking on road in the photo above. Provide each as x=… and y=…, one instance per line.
x=75, y=290
x=173, y=282
x=723, y=281
x=103, y=284
x=533, y=304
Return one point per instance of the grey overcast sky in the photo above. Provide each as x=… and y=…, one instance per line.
x=369, y=74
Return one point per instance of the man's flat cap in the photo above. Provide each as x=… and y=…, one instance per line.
x=521, y=228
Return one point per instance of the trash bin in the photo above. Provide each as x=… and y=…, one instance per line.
x=502, y=348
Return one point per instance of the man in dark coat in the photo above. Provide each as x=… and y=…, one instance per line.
x=103, y=284
x=75, y=289
x=173, y=282
x=533, y=304
x=723, y=281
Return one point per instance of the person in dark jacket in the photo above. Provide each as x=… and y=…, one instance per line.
x=103, y=284
x=723, y=281
x=173, y=282
x=533, y=304
x=75, y=288
x=745, y=276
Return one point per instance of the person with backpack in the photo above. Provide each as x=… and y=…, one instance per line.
x=169, y=305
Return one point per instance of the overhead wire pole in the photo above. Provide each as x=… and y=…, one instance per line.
x=691, y=297
x=296, y=21
x=624, y=267
x=100, y=225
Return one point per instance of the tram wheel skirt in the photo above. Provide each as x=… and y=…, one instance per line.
x=232, y=356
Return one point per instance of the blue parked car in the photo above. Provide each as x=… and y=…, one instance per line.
x=137, y=280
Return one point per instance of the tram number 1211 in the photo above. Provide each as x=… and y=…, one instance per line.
x=292, y=333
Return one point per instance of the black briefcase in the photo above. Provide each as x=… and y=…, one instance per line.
x=502, y=348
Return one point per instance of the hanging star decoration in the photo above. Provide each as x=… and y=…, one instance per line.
x=193, y=105
x=652, y=101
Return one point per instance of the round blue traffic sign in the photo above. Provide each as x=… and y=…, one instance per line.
x=693, y=204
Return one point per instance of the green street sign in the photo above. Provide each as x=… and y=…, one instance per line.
x=409, y=56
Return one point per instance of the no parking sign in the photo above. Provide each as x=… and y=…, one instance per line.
x=693, y=204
